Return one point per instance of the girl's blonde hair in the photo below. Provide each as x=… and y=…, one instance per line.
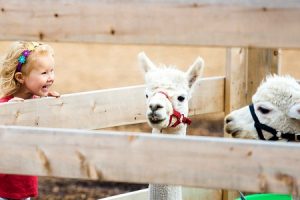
x=8, y=64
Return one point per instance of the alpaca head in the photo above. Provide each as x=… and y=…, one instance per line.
x=276, y=104
x=167, y=90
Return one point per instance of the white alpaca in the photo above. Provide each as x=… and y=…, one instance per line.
x=168, y=91
x=275, y=113
x=276, y=104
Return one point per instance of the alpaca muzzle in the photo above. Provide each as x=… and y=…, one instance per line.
x=180, y=118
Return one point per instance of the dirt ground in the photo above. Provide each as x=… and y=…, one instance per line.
x=73, y=189
x=86, y=67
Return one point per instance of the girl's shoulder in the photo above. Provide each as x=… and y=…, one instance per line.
x=5, y=99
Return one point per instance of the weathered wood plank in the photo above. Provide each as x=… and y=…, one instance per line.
x=236, y=79
x=261, y=62
x=245, y=69
x=235, y=89
x=199, y=22
x=104, y=108
x=255, y=166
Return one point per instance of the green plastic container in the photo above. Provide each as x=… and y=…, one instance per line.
x=267, y=197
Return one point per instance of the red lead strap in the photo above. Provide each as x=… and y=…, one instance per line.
x=180, y=118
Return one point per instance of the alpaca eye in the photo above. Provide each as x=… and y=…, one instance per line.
x=181, y=98
x=146, y=96
x=263, y=110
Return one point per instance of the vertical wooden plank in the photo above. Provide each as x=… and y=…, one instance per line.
x=261, y=62
x=235, y=89
x=245, y=69
x=235, y=80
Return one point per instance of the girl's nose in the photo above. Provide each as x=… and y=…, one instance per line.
x=51, y=77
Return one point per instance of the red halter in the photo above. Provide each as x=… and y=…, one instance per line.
x=180, y=118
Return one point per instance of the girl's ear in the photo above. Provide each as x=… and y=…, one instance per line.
x=19, y=77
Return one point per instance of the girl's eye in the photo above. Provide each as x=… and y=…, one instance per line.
x=44, y=72
x=181, y=98
x=263, y=110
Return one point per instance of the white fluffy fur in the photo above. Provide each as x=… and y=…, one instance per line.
x=175, y=83
x=279, y=94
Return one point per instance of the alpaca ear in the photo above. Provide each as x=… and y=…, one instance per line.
x=195, y=71
x=294, y=111
x=145, y=63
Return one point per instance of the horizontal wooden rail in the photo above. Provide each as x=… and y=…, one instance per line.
x=104, y=108
x=207, y=162
x=266, y=23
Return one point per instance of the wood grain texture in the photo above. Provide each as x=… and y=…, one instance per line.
x=236, y=79
x=261, y=63
x=200, y=22
x=245, y=69
x=226, y=163
x=104, y=108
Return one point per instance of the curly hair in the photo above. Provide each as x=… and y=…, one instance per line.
x=8, y=65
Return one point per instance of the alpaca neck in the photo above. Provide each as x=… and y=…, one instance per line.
x=166, y=192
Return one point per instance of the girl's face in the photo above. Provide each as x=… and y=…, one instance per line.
x=41, y=77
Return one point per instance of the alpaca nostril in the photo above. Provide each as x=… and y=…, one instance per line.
x=155, y=107
x=151, y=107
x=228, y=120
x=159, y=106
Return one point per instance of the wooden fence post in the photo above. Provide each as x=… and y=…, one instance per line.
x=245, y=69
x=261, y=62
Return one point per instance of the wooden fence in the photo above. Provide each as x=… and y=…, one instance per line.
x=58, y=133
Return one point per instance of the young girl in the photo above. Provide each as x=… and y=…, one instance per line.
x=26, y=72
